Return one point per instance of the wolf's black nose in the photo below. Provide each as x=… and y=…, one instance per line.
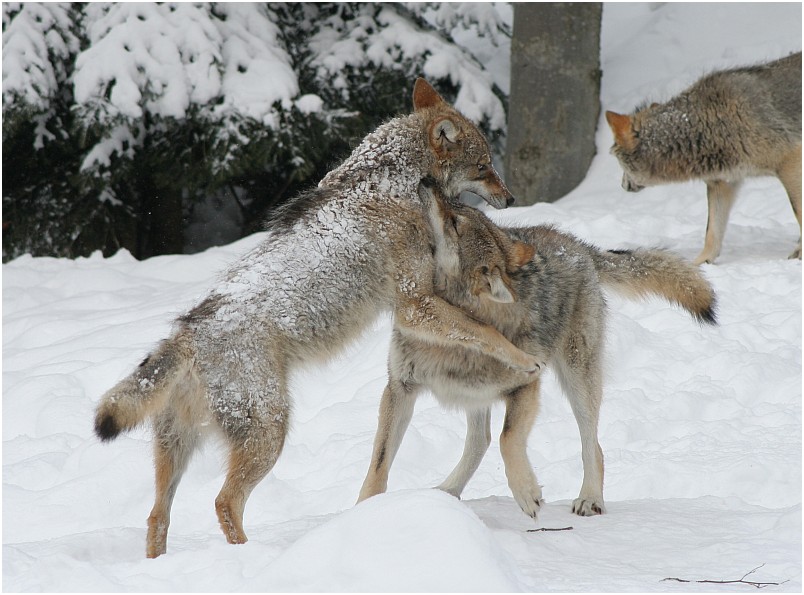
x=511, y=200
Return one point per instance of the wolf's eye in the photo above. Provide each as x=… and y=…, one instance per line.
x=481, y=167
x=484, y=270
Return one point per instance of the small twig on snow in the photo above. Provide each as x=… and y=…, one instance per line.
x=742, y=580
x=550, y=529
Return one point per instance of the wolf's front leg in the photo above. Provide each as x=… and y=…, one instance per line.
x=433, y=320
x=720, y=196
x=396, y=409
x=520, y=412
x=478, y=438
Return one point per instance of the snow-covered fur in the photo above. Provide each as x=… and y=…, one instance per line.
x=333, y=259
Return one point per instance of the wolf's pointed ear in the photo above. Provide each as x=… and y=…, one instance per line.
x=444, y=134
x=520, y=255
x=425, y=96
x=500, y=292
x=622, y=129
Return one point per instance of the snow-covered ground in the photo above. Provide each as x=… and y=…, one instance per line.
x=701, y=427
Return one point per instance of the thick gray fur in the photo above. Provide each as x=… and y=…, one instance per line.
x=542, y=289
x=728, y=126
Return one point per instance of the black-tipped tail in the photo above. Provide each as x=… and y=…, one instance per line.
x=106, y=427
x=642, y=272
x=708, y=315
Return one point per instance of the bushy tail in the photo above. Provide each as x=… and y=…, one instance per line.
x=639, y=273
x=144, y=392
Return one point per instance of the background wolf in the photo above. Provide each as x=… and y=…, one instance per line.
x=542, y=289
x=333, y=259
x=728, y=126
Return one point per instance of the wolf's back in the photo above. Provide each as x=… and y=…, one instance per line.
x=142, y=393
x=641, y=272
x=782, y=80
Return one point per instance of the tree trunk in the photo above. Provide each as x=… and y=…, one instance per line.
x=554, y=99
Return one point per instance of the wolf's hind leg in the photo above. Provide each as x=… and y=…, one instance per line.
x=174, y=444
x=396, y=409
x=790, y=175
x=256, y=437
x=521, y=407
x=478, y=438
x=580, y=374
x=720, y=197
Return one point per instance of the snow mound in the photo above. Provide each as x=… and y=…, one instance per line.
x=415, y=540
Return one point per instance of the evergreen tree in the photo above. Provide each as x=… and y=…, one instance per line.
x=122, y=121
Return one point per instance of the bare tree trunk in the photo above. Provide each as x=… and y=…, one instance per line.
x=554, y=98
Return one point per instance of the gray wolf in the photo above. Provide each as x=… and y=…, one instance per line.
x=728, y=126
x=333, y=259
x=542, y=289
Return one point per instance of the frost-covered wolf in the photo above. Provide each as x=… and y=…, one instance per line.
x=333, y=259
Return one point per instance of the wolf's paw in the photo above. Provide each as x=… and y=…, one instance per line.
x=704, y=258
x=529, y=500
x=531, y=366
x=588, y=506
x=450, y=489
